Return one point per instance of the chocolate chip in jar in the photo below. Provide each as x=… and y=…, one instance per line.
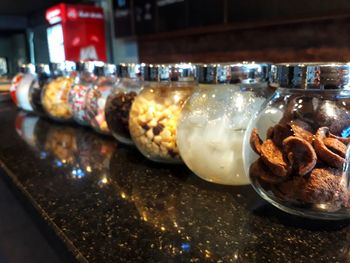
x=117, y=114
x=153, y=120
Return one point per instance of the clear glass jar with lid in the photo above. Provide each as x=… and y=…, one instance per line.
x=156, y=110
x=120, y=100
x=97, y=96
x=17, y=79
x=54, y=96
x=85, y=80
x=211, y=129
x=296, y=147
x=22, y=90
x=43, y=76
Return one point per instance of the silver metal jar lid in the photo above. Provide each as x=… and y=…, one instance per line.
x=88, y=66
x=129, y=70
x=149, y=72
x=104, y=69
x=177, y=72
x=66, y=67
x=27, y=68
x=313, y=76
x=110, y=69
x=233, y=73
x=42, y=69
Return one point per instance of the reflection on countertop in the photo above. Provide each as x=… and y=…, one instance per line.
x=109, y=204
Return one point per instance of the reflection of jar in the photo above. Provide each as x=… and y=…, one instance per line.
x=16, y=81
x=94, y=154
x=61, y=141
x=55, y=94
x=212, y=125
x=22, y=91
x=96, y=98
x=77, y=94
x=43, y=75
x=119, y=102
x=40, y=132
x=154, y=113
x=25, y=125
x=296, y=147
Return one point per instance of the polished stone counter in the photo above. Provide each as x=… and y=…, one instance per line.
x=109, y=204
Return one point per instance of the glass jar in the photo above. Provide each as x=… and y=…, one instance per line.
x=155, y=112
x=42, y=77
x=54, y=97
x=213, y=121
x=22, y=91
x=94, y=155
x=97, y=96
x=15, y=82
x=77, y=95
x=296, y=147
x=61, y=143
x=25, y=125
x=120, y=100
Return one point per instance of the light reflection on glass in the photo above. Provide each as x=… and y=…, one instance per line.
x=78, y=173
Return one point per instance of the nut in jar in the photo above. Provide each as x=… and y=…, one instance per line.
x=155, y=111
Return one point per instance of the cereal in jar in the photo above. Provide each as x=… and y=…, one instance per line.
x=296, y=146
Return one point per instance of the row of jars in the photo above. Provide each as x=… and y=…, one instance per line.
x=216, y=119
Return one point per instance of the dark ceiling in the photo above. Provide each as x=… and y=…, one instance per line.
x=27, y=7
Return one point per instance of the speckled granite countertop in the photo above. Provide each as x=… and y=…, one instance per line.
x=108, y=204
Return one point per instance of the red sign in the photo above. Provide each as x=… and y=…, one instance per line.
x=83, y=31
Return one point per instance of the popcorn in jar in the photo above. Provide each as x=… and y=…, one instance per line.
x=54, y=95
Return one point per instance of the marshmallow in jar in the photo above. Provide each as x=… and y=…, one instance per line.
x=213, y=121
x=97, y=96
x=85, y=80
x=156, y=110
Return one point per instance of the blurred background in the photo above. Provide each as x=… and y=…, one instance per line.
x=157, y=31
